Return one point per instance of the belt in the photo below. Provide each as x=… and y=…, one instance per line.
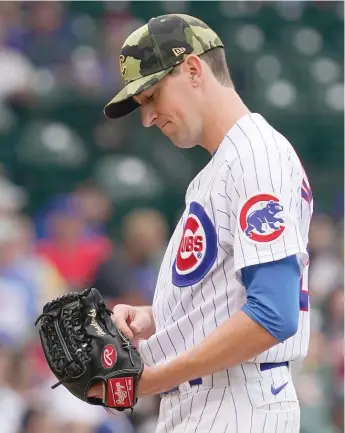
x=263, y=367
x=269, y=365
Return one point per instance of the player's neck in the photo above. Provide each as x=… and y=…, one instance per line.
x=224, y=109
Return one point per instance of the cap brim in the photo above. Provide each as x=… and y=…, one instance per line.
x=123, y=103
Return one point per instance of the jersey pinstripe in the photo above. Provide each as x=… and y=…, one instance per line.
x=241, y=408
x=199, y=284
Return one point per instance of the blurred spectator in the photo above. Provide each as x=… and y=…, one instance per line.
x=334, y=332
x=12, y=405
x=334, y=312
x=73, y=418
x=95, y=207
x=96, y=73
x=16, y=400
x=326, y=270
x=116, y=28
x=17, y=72
x=38, y=420
x=130, y=274
x=337, y=416
x=145, y=234
x=313, y=383
x=117, y=425
x=26, y=280
x=49, y=40
x=339, y=234
x=75, y=255
x=46, y=277
x=114, y=280
x=12, y=197
x=18, y=292
x=12, y=14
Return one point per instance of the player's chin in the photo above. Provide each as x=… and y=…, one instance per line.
x=180, y=139
x=182, y=143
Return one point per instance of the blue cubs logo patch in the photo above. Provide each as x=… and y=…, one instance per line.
x=197, y=250
x=261, y=219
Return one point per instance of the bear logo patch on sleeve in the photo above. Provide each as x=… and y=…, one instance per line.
x=262, y=219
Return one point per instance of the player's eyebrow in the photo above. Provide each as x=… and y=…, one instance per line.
x=140, y=100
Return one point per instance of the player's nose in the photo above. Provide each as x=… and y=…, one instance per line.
x=148, y=115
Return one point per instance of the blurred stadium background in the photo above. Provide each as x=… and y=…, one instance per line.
x=88, y=201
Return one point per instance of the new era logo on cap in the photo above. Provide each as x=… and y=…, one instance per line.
x=178, y=51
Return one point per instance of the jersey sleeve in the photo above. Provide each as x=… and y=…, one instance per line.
x=264, y=220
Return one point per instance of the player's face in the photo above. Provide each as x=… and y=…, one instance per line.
x=174, y=106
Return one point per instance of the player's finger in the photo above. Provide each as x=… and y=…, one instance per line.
x=96, y=390
x=124, y=328
x=140, y=322
x=119, y=317
x=135, y=327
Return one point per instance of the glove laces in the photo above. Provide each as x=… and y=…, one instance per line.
x=69, y=345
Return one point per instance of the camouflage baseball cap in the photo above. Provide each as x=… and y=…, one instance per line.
x=151, y=52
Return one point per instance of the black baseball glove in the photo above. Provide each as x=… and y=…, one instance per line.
x=83, y=346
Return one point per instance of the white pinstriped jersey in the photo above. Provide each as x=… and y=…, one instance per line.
x=251, y=204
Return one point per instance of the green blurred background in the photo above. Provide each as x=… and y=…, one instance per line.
x=58, y=68
x=286, y=59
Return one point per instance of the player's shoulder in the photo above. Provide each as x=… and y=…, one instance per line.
x=254, y=138
x=249, y=134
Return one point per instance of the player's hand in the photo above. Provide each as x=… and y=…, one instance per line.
x=135, y=322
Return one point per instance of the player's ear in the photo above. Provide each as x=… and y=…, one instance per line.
x=193, y=67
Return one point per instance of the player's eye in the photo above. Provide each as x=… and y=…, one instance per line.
x=151, y=97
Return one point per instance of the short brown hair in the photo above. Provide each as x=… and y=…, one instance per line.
x=216, y=60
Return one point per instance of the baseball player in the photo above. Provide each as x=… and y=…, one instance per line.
x=231, y=310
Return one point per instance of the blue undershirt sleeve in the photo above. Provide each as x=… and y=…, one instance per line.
x=273, y=292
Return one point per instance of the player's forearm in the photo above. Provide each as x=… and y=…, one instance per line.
x=234, y=342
